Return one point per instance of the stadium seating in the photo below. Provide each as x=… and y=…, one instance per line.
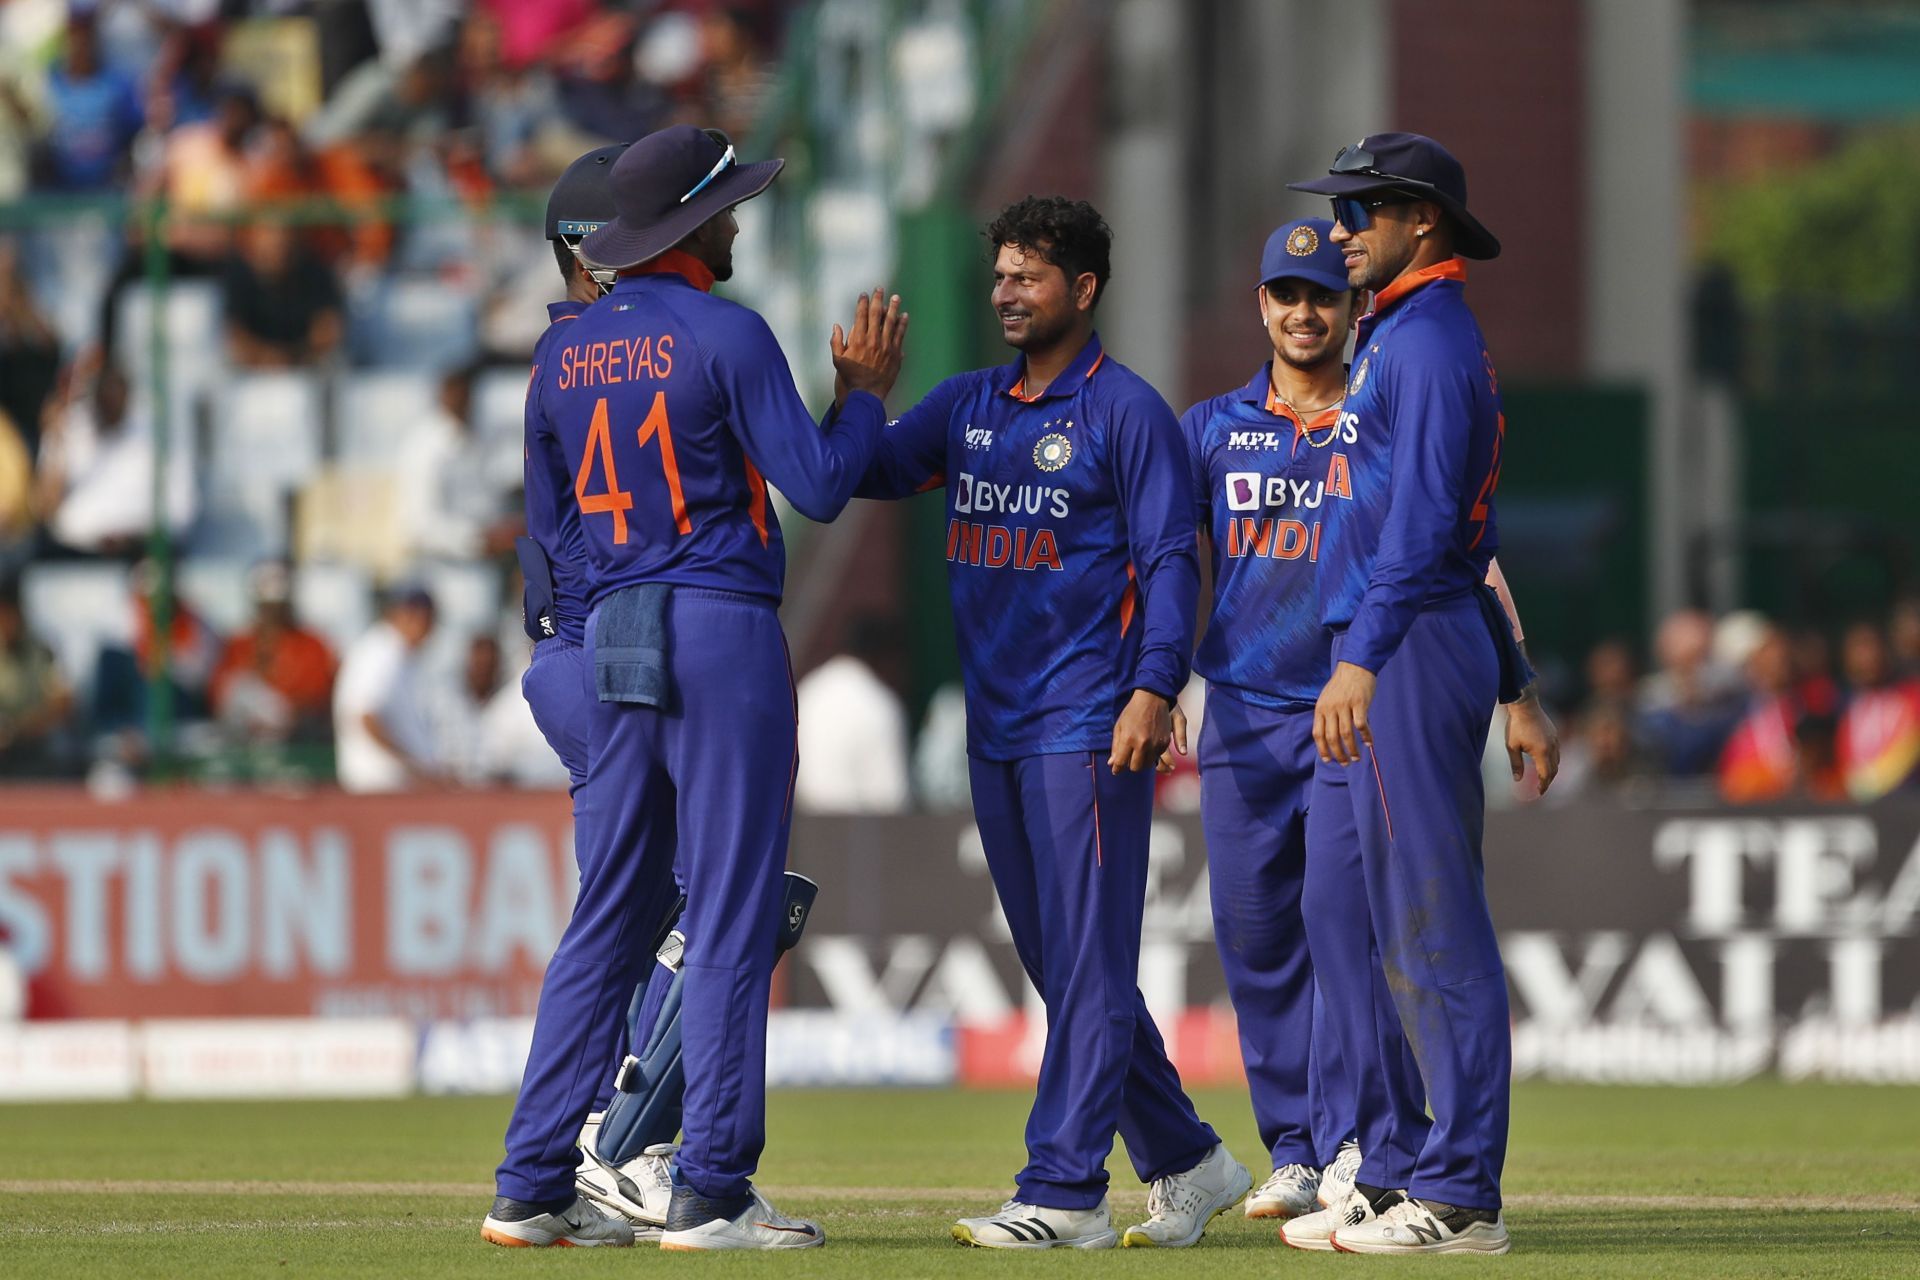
x=376, y=408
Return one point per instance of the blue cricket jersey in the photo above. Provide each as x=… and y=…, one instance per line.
x=667, y=411
x=1262, y=480
x=553, y=519
x=1070, y=545
x=1421, y=435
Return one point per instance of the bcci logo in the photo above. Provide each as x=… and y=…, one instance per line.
x=1359, y=377
x=1052, y=452
x=1303, y=241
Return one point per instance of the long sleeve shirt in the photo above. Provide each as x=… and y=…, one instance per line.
x=1420, y=439
x=553, y=514
x=1262, y=481
x=1070, y=545
x=666, y=412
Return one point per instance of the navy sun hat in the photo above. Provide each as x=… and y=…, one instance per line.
x=582, y=200
x=664, y=186
x=1412, y=163
x=1304, y=249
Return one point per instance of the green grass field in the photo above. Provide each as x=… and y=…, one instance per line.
x=1761, y=1180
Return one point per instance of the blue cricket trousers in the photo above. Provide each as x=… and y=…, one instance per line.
x=714, y=771
x=1066, y=844
x=1419, y=809
x=1256, y=774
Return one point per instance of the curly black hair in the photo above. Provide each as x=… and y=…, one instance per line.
x=1070, y=234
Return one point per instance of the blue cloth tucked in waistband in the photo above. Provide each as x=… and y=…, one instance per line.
x=630, y=646
x=1515, y=672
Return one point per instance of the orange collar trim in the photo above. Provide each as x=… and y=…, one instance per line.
x=676, y=262
x=1019, y=389
x=1320, y=421
x=1451, y=269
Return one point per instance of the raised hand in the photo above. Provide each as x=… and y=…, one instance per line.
x=867, y=354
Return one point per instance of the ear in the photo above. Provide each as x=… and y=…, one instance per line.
x=1260, y=292
x=1085, y=286
x=1427, y=218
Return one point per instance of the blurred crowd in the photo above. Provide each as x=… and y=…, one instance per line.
x=331, y=418
x=1750, y=711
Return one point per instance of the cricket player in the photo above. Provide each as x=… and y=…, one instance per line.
x=1071, y=560
x=667, y=412
x=1267, y=458
x=1421, y=654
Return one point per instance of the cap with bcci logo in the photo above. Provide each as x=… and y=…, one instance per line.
x=1305, y=249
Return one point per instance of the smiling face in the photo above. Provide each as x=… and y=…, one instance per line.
x=1036, y=304
x=1307, y=322
x=1376, y=255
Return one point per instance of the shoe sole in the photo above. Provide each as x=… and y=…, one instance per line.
x=1137, y=1239
x=505, y=1241
x=668, y=1246
x=963, y=1234
x=1306, y=1246
x=1467, y=1245
x=1271, y=1211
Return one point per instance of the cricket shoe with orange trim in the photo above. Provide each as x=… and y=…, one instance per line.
x=1290, y=1192
x=515, y=1224
x=696, y=1224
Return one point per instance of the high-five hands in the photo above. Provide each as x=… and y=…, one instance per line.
x=867, y=354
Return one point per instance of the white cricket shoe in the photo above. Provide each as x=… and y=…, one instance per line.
x=1426, y=1226
x=578, y=1226
x=1018, y=1225
x=1292, y=1190
x=641, y=1190
x=1337, y=1179
x=1314, y=1231
x=1180, y=1206
x=693, y=1228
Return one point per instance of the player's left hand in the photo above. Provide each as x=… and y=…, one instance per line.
x=1530, y=732
x=1179, y=740
x=1340, y=716
x=1141, y=734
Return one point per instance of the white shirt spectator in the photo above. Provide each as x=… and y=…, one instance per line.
x=511, y=746
x=381, y=677
x=455, y=489
x=853, y=741
x=107, y=494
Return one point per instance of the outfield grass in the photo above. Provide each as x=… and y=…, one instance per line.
x=1762, y=1180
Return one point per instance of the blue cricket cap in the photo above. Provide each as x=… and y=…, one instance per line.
x=1305, y=249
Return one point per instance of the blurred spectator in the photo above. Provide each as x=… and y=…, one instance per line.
x=1612, y=678
x=458, y=500
x=29, y=351
x=737, y=77
x=183, y=86
x=35, y=704
x=513, y=103
x=203, y=172
x=274, y=682
x=16, y=499
x=382, y=726
x=601, y=90
x=462, y=711
x=1599, y=754
x=96, y=475
x=93, y=114
x=1689, y=706
x=1879, y=737
x=853, y=731
x=124, y=680
x=1904, y=632
x=1782, y=747
x=282, y=305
